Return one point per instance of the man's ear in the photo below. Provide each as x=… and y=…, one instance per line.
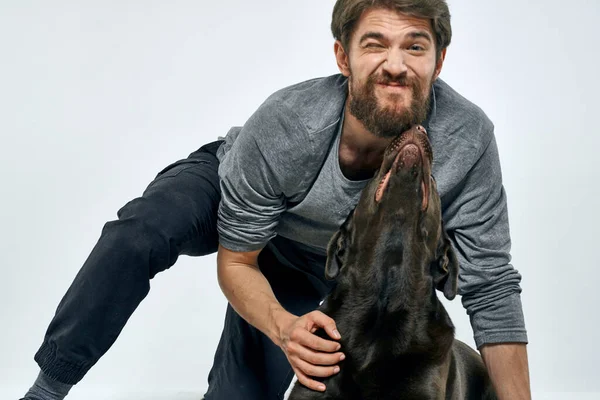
x=336, y=250
x=444, y=269
x=439, y=65
x=341, y=57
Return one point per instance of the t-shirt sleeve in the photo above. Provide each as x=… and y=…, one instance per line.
x=264, y=164
x=488, y=283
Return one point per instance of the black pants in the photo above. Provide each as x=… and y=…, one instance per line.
x=176, y=215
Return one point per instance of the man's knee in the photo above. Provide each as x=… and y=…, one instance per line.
x=139, y=241
x=151, y=233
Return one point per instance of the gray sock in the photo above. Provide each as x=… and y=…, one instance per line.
x=45, y=388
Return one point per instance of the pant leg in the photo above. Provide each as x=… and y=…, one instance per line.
x=176, y=215
x=248, y=365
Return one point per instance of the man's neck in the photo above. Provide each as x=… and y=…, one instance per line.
x=361, y=151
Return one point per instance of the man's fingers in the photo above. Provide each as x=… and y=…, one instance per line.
x=326, y=323
x=309, y=354
x=312, y=341
x=314, y=357
x=309, y=383
x=314, y=370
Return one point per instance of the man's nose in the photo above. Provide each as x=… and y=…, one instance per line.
x=395, y=63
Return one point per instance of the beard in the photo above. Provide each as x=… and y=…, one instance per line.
x=382, y=121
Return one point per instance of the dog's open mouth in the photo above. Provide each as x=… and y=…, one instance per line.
x=413, y=154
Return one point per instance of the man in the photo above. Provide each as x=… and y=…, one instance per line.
x=285, y=182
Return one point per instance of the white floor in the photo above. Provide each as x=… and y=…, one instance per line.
x=87, y=393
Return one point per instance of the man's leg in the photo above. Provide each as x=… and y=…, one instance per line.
x=248, y=365
x=176, y=215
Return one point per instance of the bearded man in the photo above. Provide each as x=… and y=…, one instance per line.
x=269, y=197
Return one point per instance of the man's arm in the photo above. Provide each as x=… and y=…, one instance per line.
x=476, y=217
x=508, y=368
x=250, y=294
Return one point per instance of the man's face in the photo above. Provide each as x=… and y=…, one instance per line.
x=391, y=65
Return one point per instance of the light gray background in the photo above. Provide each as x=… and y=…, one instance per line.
x=97, y=96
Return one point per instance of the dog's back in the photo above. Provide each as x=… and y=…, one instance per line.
x=470, y=380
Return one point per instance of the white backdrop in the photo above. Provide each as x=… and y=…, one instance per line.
x=97, y=96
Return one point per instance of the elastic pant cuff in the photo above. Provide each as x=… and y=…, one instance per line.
x=59, y=370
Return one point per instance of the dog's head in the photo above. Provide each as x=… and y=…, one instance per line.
x=398, y=219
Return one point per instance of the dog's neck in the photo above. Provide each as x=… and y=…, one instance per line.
x=394, y=299
x=387, y=291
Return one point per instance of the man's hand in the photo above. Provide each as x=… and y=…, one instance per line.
x=250, y=294
x=309, y=354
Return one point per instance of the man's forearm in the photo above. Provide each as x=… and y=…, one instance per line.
x=508, y=368
x=249, y=292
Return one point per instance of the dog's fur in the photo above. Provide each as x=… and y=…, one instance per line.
x=389, y=257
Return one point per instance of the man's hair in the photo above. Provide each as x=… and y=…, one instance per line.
x=346, y=14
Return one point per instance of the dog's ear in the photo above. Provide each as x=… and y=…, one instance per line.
x=336, y=250
x=444, y=269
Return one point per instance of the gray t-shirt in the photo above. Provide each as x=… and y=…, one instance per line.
x=282, y=187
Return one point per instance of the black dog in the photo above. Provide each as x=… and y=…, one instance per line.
x=389, y=257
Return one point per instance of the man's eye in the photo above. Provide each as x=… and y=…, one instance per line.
x=374, y=45
x=417, y=47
